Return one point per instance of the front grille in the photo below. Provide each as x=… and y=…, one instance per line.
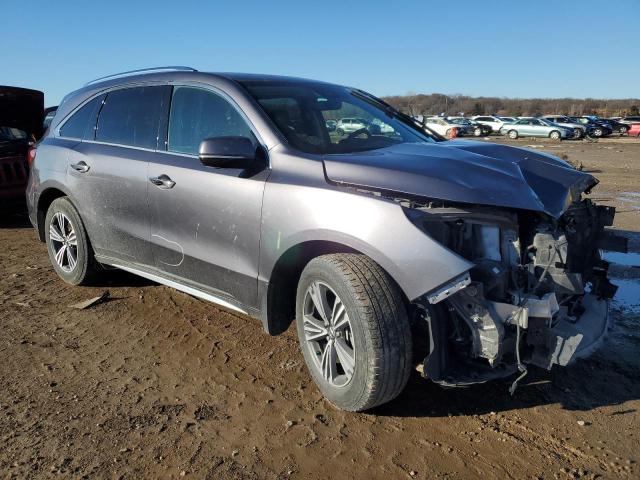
x=13, y=171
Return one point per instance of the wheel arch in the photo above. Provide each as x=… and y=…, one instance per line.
x=45, y=199
x=279, y=301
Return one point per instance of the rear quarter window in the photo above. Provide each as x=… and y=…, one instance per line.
x=81, y=123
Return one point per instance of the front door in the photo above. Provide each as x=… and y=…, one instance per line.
x=205, y=221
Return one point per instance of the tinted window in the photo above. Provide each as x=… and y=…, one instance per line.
x=131, y=117
x=78, y=124
x=197, y=114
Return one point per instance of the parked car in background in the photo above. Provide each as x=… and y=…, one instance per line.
x=350, y=125
x=471, y=127
x=630, y=119
x=634, y=130
x=331, y=125
x=535, y=127
x=357, y=238
x=594, y=129
x=615, y=126
x=443, y=127
x=494, y=122
x=378, y=127
x=508, y=119
x=579, y=130
x=21, y=115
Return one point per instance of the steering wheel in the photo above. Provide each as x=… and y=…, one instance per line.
x=360, y=131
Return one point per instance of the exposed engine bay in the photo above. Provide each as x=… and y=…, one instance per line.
x=537, y=295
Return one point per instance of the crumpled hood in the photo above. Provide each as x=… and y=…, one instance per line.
x=465, y=171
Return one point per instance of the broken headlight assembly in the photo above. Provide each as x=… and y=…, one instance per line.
x=537, y=294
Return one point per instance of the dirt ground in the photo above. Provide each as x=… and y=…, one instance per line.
x=157, y=384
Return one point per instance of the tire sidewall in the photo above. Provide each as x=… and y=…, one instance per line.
x=512, y=134
x=77, y=275
x=349, y=394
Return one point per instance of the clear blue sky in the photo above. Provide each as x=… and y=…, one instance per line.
x=482, y=47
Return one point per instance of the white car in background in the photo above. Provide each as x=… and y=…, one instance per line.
x=350, y=125
x=494, y=122
x=442, y=126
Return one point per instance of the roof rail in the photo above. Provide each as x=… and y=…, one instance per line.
x=143, y=70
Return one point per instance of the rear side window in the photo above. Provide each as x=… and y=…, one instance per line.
x=83, y=121
x=131, y=117
x=197, y=114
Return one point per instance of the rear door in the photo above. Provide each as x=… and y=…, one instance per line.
x=205, y=221
x=108, y=173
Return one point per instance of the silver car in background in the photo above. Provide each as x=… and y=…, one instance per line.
x=535, y=127
x=579, y=130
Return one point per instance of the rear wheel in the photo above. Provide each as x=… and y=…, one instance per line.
x=477, y=132
x=340, y=131
x=597, y=132
x=555, y=135
x=623, y=130
x=69, y=249
x=513, y=134
x=353, y=331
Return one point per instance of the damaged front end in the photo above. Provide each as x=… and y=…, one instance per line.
x=537, y=295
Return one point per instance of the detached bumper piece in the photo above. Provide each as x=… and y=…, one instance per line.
x=570, y=338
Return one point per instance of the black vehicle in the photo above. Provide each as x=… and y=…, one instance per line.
x=616, y=126
x=595, y=127
x=21, y=114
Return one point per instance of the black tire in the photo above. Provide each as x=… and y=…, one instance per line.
x=340, y=131
x=477, y=132
x=597, y=132
x=555, y=135
x=86, y=268
x=623, y=130
x=512, y=134
x=381, y=333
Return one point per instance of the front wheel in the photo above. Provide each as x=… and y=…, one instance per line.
x=69, y=249
x=555, y=135
x=353, y=331
x=340, y=131
x=477, y=132
x=623, y=130
x=513, y=134
x=597, y=132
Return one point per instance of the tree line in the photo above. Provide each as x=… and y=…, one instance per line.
x=436, y=103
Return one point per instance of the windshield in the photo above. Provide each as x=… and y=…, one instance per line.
x=8, y=134
x=300, y=111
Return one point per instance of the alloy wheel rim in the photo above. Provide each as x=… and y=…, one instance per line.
x=64, y=242
x=328, y=334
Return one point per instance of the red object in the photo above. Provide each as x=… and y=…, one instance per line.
x=454, y=132
x=634, y=130
x=31, y=155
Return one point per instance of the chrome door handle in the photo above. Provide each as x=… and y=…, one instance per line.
x=162, y=181
x=80, y=167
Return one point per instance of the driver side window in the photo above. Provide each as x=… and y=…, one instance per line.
x=197, y=114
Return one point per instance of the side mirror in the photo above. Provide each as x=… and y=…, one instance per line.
x=227, y=152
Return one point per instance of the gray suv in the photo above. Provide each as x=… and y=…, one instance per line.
x=475, y=259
